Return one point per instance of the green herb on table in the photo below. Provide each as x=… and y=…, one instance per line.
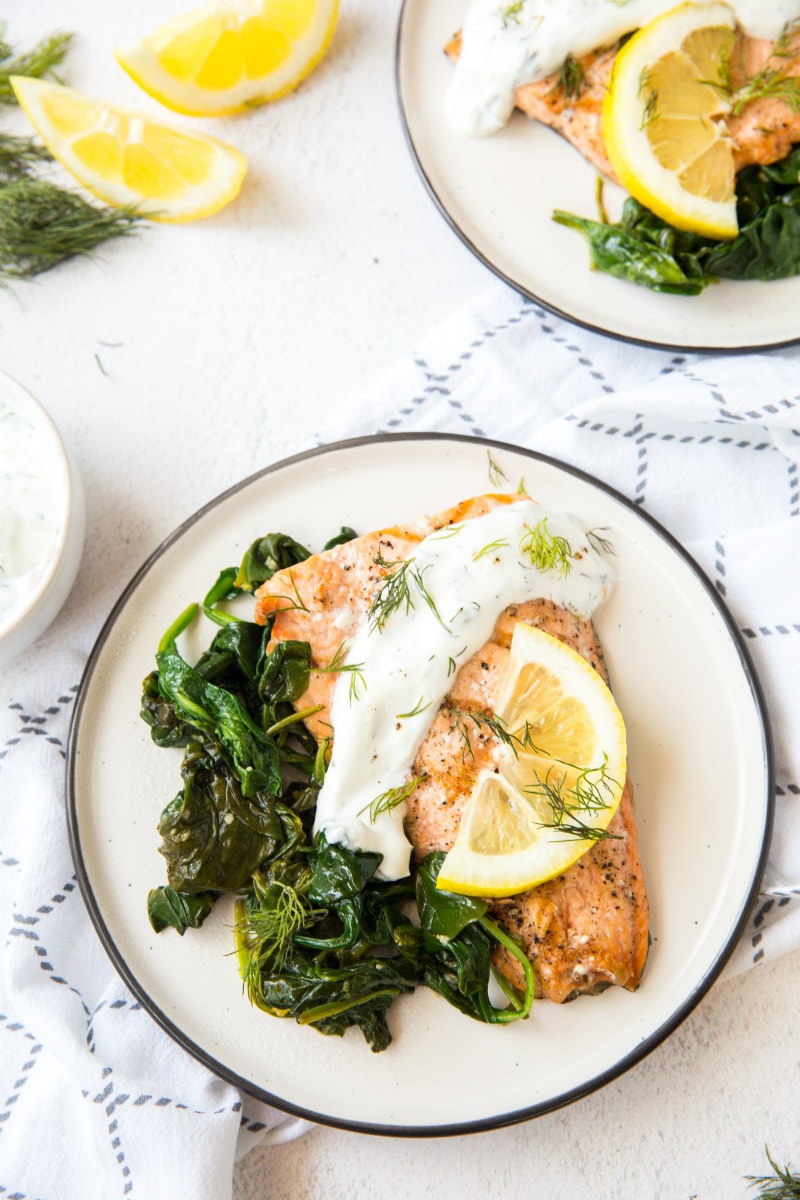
x=783, y=1184
x=38, y=63
x=319, y=937
x=42, y=225
x=19, y=157
x=644, y=249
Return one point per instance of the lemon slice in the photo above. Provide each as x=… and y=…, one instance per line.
x=662, y=122
x=125, y=158
x=560, y=774
x=228, y=55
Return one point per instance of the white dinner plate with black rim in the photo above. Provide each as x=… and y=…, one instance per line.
x=700, y=762
x=498, y=193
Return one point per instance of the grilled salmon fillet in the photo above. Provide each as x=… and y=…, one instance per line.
x=763, y=132
x=586, y=929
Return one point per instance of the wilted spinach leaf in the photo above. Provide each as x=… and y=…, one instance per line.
x=167, y=908
x=647, y=250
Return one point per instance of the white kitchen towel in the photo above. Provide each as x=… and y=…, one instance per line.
x=707, y=445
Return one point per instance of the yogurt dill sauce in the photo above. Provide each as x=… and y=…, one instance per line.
x=30, y=523
x=458, y=581
x=505, y=45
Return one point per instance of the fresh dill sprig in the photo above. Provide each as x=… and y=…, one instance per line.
x=492, y=722
x=41, y=61
x=570, y=79
x=395, y=592
x=296, y=604
x=496, y=472
x=784, y=1184
x=591, y=792
x=512, y=12
x=390, y=799
x=547, y=551
x=19, y=156
x=338, y=666
x=447, y=531
x=41, y=225
x=265, y=933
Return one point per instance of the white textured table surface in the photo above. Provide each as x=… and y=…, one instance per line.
x=260, y=323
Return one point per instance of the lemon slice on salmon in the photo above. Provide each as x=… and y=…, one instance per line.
x=231, y=54
x=125, y=158
x=662, y=118
x=560, y=776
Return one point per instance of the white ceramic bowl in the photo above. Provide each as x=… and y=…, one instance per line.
x=26, y=618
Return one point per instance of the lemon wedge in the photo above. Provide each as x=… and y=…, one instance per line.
x=125, y=158
x=231, y=54
x=559, y=777
x=662, y=122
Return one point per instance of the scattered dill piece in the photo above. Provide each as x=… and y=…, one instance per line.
x=19, y=156
x=600, y=200
x=496, y=472
x=547, y=551
x=512, y=12
x=570, y=79
x=41, y=225
x=784, y=1184
x=597, y=540
x=418, y=708
x=37, y=63
x=493, y=723
x=394, y=592
x=390, y=799
x=490, y=548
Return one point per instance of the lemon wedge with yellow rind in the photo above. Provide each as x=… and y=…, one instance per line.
x=124, y=157
x=662, y=124
x=561, y=772
x=231, y=54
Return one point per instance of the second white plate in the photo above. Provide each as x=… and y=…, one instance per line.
x=499, y=193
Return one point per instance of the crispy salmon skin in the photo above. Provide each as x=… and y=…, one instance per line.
x=583, y=931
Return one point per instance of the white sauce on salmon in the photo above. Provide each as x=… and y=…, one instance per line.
x=29, y=519
x=459, y=580
x=506, y=44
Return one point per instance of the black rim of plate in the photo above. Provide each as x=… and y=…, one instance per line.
x=758, y=347
x=498, y=1120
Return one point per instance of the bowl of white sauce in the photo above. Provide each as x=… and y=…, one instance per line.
x=42, y=520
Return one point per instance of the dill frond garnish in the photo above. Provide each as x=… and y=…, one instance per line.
x=512, y=12
x=41, y=225
x=292, y=605
x=570, y=79
x=447, y=531
x=37, y=63
x=547, y=551
x=598, y=542
x=265, y=933
x=496, y=472
x=492, y=722
x=418, y=708
x=20, y=156
x=338, y=666
x=390, y=799
x=396, y=593
x=490, y=548
x=591, y=791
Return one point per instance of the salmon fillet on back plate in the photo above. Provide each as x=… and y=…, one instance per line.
x=762, y=130
x=583, y=931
